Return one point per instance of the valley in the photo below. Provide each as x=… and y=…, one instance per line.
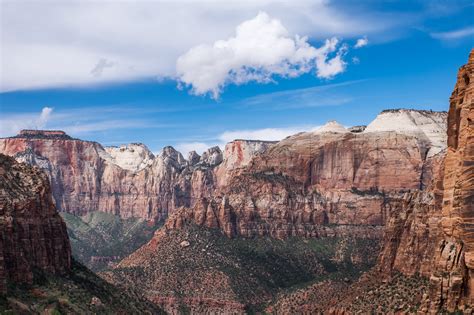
x=370, y=219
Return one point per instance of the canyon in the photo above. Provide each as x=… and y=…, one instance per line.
x=37, y=272
x=375, y=218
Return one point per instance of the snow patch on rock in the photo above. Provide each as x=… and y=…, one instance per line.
x=424, y=124
x=133, y=157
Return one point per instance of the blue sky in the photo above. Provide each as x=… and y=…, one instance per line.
x=128, y=72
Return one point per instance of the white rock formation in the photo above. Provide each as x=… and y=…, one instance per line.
x=331, y=126
x=427, y=125
x=239, y=153
x=133, y=157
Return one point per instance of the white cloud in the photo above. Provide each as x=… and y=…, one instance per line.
x=261, y=49
x=12, y=124
x=44, y=117
x=361, y=42
x=199, y=147
x=268, y=134
x=75, y=122
x=456, y=34
x=264, y=134
x=57, y=43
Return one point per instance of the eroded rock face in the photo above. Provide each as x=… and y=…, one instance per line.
x=452, y=283
x=127, y=181
x=312, y=185
x=428, y=126
x=411, y=232
x=32, y=234
x=133, y=157
x=430, y=232
x=297, y=186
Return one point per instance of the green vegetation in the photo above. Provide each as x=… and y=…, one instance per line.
x=99, y=238
x=252, y=271
x=78, y=292
x=373, y=191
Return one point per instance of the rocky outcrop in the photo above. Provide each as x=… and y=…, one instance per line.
x=239, y=153
x=85, y=178
x=429, y=233
x=452, y=282
x=298, y=186
x=127, y=181
x=411, y=232
x=32, y=234
x=332, y=126
x=314, y=184
x=428, y=126
x=133, y=157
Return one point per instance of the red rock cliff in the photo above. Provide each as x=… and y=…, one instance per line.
x=452, y=282
x=32, y=234
x=315, y=184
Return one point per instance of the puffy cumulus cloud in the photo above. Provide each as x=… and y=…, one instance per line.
x=361, y=42
x=69, y=43
x=261, y=49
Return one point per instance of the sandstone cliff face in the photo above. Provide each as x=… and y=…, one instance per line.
x=452, y=283
x=430, y=232
x=133, y=157
x=32, y=234
x=411, y=232
x=298, y=186
x=85, y=178
x=314, y=184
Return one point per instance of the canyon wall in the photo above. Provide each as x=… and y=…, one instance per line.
x=452, y=282
x=316, y=184
x=326, y=182
x=32, y=234
x=126, y=181
x=430, y=232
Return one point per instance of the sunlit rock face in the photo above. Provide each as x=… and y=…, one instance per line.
x=133, y=157
x=452, y=282
x=291, y=187
x=430, y=232
x=428, y=126
x=320, y=183
x=33, y=235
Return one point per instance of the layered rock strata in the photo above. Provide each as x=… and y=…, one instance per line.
x=32, y=234
x=452, y=282
x=297, y=186
x=430, y=232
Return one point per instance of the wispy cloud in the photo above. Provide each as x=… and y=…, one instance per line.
x=264, y=134
x=361, y=42
x=145, y=47
x=317, y=96
x=75, y=122
x=11, y=124
x=454, y=34
x=199, y=147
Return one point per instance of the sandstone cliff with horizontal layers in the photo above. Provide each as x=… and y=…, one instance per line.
x=427, y=247
x=330, y=185
x=452, y=282
x=32, y=234
x=329, y=182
